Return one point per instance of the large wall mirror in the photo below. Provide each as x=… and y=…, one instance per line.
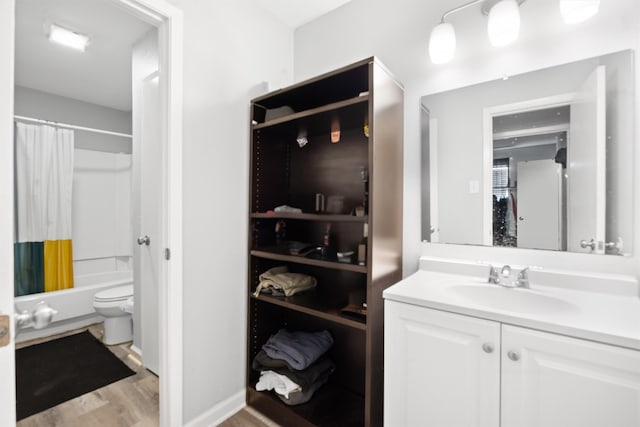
x=541, y=160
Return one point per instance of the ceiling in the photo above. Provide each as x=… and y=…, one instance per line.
x=102, y=74
x=295, y=13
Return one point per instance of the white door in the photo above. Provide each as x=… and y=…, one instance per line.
x=539, y=216
x=555, y=381
x=433, y=181
x=586, y=159
x=151, y=220
x=441, y=369
x=7, y=352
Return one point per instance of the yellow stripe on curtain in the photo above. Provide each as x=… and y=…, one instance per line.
x=58, y=265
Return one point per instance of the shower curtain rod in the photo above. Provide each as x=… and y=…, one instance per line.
x=64, y=125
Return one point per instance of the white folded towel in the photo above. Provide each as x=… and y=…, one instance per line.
x=281, y=384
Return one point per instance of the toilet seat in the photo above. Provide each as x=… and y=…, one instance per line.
x=119, y=293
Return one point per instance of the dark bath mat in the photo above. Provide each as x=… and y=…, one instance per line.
x=53, y=372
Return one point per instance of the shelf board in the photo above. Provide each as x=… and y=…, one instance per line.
x=308, y=303
x=309, y=261
x=311, y=217
x=331, y=406
x=312, y=112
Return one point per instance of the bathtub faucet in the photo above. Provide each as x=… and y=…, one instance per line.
x=40, y=317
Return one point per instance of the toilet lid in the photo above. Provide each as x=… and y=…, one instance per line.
x=115, y=294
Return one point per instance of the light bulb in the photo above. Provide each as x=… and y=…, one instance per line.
x=504, y=23
x=575, y=11
x=442, y=43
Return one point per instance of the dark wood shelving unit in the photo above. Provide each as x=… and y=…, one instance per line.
x=320, y=114
x=364, y=169
x=334, y=265
x=311, y=217
x=310, y=304
x=333, y=406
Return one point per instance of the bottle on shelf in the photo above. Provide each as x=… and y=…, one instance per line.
x=326, y=240
x=364, y=176
x=362, y=247
x=281, y=232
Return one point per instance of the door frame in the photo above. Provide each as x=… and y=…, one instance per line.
x=7, y=354
x=169, y=21
x=488, y=113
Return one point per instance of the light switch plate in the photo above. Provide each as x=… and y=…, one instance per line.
x=474, y=186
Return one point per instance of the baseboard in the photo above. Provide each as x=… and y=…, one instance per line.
x=136, y=350
x=220, y=412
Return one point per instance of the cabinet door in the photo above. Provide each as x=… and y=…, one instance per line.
x=437, y=372
x=554, y=381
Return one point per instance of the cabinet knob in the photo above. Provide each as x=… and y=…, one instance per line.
x=487, y=348
x=513, y=356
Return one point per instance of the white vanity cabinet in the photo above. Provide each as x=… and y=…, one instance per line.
x=445, y=369
x=441, y=369
x=550, y=380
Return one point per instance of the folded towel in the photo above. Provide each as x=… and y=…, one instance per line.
x=303, y=396
x=289, y=283
x=299, y=349
x=262, y=362
x=282, y=385
x=305, y=378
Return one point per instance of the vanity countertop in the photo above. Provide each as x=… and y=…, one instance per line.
x=606, y=318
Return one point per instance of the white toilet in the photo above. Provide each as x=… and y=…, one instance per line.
x=116, y=306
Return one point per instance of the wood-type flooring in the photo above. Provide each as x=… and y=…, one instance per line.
x=130, y=402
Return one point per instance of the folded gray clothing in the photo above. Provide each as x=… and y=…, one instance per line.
x=289, y=283
x=300, y=397
x=262, y=362
x=299, y=349
x=305, y=378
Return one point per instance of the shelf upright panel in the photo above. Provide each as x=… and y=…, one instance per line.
x=384, y=260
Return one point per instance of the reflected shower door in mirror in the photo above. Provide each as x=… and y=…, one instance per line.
x=541, y=160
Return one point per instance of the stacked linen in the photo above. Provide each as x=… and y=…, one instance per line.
x=293, y=364
x=279, y=281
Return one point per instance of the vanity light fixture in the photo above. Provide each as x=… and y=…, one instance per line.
x=503, y=25
x=575, y=11
x=442, y=43
x=69, y=38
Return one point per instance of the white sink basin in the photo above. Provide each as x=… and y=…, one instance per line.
x=511, y=299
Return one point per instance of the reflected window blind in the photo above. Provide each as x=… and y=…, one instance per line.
x=501, y=178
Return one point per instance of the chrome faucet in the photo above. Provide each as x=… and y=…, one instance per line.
x=493, y=276
x=521, y=281
x=506, y=271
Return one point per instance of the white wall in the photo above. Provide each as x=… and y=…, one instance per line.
x=46, y=106
x=230, y=48
x=398, y=31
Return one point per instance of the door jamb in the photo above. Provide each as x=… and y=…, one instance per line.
x=169, y=21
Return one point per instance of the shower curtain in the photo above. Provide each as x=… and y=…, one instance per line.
x=43, y=180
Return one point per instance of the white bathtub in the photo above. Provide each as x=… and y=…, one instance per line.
x=75, y=306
